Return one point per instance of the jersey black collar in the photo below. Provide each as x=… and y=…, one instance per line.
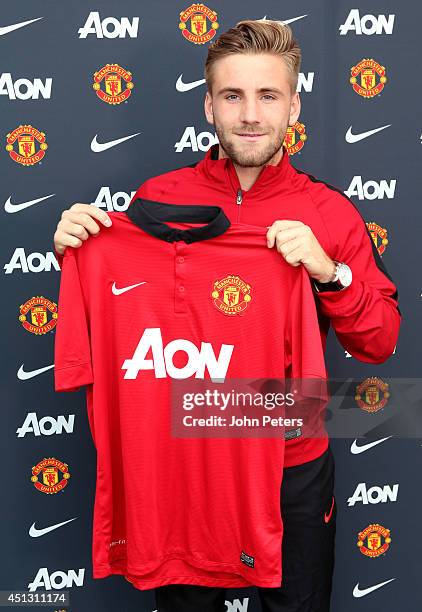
x=150, y=217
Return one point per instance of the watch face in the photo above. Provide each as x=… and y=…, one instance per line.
x=345, y=275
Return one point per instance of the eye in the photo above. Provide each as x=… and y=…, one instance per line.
x=231, y=96
x=269, y=96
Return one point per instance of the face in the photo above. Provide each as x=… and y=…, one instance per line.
x=251, y=107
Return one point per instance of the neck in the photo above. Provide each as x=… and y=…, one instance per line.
x=247, y=175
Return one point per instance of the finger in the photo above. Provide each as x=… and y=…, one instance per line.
x=82, y=219
x=67, y=227
x=278, y=226
x=294, y=257
x=63, y=240
x=292, y=223
x=285, y=235
x=289, y=246
x=272, y=232
x=92, y=211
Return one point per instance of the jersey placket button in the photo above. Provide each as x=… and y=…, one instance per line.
x=180, y=269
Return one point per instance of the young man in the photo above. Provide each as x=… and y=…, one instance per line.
x=251, y=73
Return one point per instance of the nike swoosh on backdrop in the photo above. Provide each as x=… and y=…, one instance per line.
x=356, y=450
x=22, y=375
x=36, y=533
x=294, y=19
x=351, y=138
x=357, y=592
x=117, y=291
x=12, y=208
x=181, y=86
x=6, y=29
x=98, y=147
x=289, y=20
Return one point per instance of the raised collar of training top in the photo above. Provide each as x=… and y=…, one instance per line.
x=222, y=172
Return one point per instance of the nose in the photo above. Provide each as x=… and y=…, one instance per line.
x=249, y=111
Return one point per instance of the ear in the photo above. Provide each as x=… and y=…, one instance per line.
x=208, y=108
x=295, y=107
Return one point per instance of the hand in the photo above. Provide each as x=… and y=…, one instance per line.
x=76, y=225
x=298, y=245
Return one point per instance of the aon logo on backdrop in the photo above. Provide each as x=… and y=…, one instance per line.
x=33, y=262
x=118, y=201
x=367, y=24
x=46, y=426
x=373, y=495
x=57, y=580
x=201, y=142
x=25, y=89
x=109, y=27
x=371, y=190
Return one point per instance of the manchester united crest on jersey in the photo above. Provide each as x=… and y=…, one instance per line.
x=231, y=295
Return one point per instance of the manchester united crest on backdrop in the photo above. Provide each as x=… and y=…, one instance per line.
x=26, y=145
x=113, y=84
x=368, y=78
x=198, y=23
x=374, y=540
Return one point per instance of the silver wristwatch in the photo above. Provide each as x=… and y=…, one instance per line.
x=342, y=279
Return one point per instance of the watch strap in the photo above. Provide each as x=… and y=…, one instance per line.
x=334, y=285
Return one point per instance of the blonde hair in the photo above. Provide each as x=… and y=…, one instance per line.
x=256, y=36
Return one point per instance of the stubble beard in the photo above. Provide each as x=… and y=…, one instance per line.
x=254, y=157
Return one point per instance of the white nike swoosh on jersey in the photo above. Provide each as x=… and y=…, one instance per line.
x=12, y=208
x=289, y=20
x=356, y=450
x=22, y=375
x=181, y=86
x=98, y=147
x=16, y=26
x=357, y=592
x=124, y=289
x=36, y=533
x=351, y=138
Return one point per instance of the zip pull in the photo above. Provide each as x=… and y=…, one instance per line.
x=239, y=199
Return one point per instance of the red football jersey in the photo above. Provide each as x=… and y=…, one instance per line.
x=170, y=293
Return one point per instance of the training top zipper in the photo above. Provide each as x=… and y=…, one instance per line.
x=239, y=199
